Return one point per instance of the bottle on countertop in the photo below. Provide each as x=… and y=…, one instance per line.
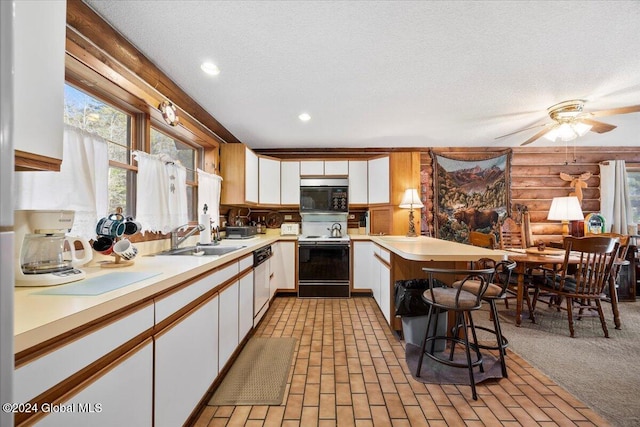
x=258, y=226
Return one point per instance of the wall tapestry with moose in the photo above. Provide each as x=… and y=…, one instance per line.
x=470, y=195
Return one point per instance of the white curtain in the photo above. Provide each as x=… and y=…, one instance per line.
x=615, y=204
x=209, y=194
x=161, y=201
x=80, y=186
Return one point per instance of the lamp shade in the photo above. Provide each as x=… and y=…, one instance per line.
x=565, y=209
x=411, y=199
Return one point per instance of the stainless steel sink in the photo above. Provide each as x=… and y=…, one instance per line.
x=202, y=250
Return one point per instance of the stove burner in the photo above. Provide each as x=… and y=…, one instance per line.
x=313, y=237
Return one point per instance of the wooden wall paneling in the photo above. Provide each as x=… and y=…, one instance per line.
x=535, y=178
x=404, y=172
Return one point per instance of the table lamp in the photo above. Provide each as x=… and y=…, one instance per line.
x=565, y=209
x=411, y=200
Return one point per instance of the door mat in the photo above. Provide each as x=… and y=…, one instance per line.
x=433, y=372
x=98, y=285
x=259, y=374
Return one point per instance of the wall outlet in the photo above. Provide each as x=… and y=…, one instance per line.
x=288, y=217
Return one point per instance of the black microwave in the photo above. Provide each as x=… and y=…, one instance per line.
x=324, y=195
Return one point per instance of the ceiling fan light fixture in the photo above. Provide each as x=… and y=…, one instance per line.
x=581, y=128
x=552, y=135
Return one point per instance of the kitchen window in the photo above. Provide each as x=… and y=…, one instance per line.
x=114, y=125
x=161, y=143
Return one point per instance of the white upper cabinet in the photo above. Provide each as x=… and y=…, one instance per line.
x=336, y=167
x=289, y=182
x=379, y=180
x=269, y=181
x=311, y=167
x=324, y=167
x=39, y=54
x=358, y=187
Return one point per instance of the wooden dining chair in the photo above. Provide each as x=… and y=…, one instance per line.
x=483, y=240
x=585, y=283
x=511, y=235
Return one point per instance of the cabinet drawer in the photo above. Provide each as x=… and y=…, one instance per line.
x=246, y=262
x=166, y=306
x=44, y=372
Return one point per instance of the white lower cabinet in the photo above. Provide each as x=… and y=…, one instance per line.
x=228, y=324
x=283, y=266
x=381, y=280
x=186, y=364
x=120, y=395
x=362, y=261
x=245, y=305
x=385, y=291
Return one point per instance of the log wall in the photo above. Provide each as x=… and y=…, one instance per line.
x=535, y=179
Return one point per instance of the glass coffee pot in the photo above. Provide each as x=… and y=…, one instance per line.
x=44, y=253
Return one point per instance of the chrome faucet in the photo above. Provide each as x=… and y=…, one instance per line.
x=176, y=241
x=216, y=235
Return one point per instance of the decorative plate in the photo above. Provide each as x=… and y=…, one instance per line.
x=274, y=220
x=169, y=113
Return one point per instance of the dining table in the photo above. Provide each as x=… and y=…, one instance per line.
x=532, y=258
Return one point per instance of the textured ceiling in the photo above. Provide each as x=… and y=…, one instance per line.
x=393, y=74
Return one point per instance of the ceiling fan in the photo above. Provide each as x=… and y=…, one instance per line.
x=570, y=121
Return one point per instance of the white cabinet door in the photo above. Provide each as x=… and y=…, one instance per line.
x=228, y=321
x=269, y=182
x=358, y=182
x=375, y=276
x=123, y=396
x=385, y=291
x=336, y=167
x=289, y=183
x=379, y=180
x=261, y=291
x=39, y=53
x=186, y=364
x=312, y=167
x=283, y=266
x=251, y=176
x=245, y=305
x=362, y=265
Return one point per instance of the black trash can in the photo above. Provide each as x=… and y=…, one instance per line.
x=414, y=312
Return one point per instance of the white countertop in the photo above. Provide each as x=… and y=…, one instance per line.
x=42, y=317
x=423, y=248
x=38, y=318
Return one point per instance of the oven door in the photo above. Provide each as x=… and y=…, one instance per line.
x=323, y=270
x=318, y=262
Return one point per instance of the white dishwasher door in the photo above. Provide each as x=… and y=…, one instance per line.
x=260, y=291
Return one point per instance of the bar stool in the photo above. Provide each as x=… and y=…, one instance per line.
x=496, y=291
x=462, y=303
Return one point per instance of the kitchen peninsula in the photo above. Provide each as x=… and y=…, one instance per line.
x=395, y=258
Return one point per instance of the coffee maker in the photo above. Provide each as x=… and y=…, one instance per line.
x=40, y=248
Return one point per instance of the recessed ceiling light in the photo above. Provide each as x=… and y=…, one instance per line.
x=304, y=117
x=210, y=68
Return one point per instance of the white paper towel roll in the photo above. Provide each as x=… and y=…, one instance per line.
x=205, y=235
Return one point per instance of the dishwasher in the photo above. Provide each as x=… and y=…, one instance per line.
x=261, y=275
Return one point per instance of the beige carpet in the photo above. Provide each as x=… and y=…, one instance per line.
x=259, y=375
x=603, y=373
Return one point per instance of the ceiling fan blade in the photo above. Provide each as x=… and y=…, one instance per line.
x=534, y=137
x=616, y=111
x=522, y=130
x=599, y=127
